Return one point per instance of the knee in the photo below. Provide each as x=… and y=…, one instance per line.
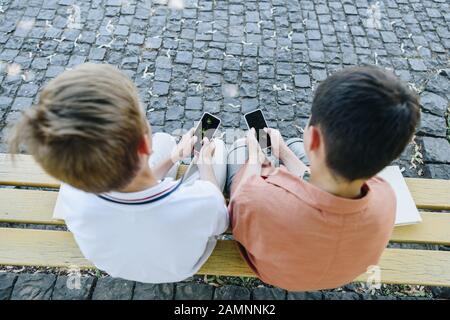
x=164, y=137
x=240, y=142
x=293, y=140
x=219, y=143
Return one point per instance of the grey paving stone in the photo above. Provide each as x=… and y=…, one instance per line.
x=439, y=84
x=160, y=88
x=147, y=291
x=184, y=57
x=231, y=292
x=121, y=30
x=436, y=150
x=434, y=103
x=7, y=281
x=193, y=291
x=432, y=125
x=377, y=297
x=417, y=65
x=136, y=38
x=156, y=117
x=264, y=293
x=249, y=89
x=163, y=62
x=341, y=296
x=153, y=43
x=313, y=295
x=163, y=74
x=302, y=81
x=212, y=106
x=53, y=71
x=438, y=171
x=33, y=287
x=389, y=36
x=21, y=103
x=194, y=103
x=441, y=292
x=97, y=53
x=5, y=102
x=249, y=105
x=72, y=288
x=109, y=288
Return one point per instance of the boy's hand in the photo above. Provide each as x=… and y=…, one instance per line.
x=205, y=161
x=255, y=154
x=279, y=147
x=206, y=154
x=184, y=147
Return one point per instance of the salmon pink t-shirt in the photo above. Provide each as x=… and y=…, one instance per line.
x=299, y=237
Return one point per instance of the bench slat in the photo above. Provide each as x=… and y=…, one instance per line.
x=434, y=228
x=31, y=206
x=427, y=193
x=430, y=193
x=27, y=247
x=28, y=206
x=24, y=171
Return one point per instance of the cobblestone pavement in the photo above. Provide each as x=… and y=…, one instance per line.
x=229, y=57
x=226, y=57
x=53, y=287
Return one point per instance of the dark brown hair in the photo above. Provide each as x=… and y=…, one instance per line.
x=367, y=117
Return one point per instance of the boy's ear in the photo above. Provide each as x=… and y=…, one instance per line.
x=145, y=145
x=315, y=138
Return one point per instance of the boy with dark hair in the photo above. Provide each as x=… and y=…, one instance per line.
x=320, y=227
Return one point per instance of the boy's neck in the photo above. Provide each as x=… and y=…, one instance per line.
x=328, y=183
x=144, y=180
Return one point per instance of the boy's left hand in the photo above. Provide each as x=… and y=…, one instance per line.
x=184, y=147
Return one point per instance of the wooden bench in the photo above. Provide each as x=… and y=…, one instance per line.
x=31, y=247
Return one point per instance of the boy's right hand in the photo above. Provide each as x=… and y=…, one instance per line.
x=185, y=146
x=279, y=146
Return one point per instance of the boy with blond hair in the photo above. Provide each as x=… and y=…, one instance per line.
x=118, y=194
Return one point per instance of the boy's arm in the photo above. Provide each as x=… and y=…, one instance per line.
x=255, y=160
x=160, y=170
x=293, y=164
x=182, y=150
x=280, y=150
x=204, y=163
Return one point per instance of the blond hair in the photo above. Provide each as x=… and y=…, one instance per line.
x=86, y=128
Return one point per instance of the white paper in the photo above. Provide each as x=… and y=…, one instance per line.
x=407, y=212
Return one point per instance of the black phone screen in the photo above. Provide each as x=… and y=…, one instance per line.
x=256, y=120
x=206, y=128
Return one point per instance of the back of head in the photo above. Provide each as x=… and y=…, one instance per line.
x=367, y=117
x=86, y=128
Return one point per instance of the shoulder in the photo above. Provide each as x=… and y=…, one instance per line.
x=201, y=187
x=200, y=190
x=381, y=187
x=383, y=195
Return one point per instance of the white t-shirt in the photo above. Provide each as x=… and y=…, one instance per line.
x=162, y=234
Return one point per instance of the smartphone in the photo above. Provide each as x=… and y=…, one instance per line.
x=255, y=119
x=206, y=127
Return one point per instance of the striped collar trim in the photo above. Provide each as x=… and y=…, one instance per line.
x=158, y=192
